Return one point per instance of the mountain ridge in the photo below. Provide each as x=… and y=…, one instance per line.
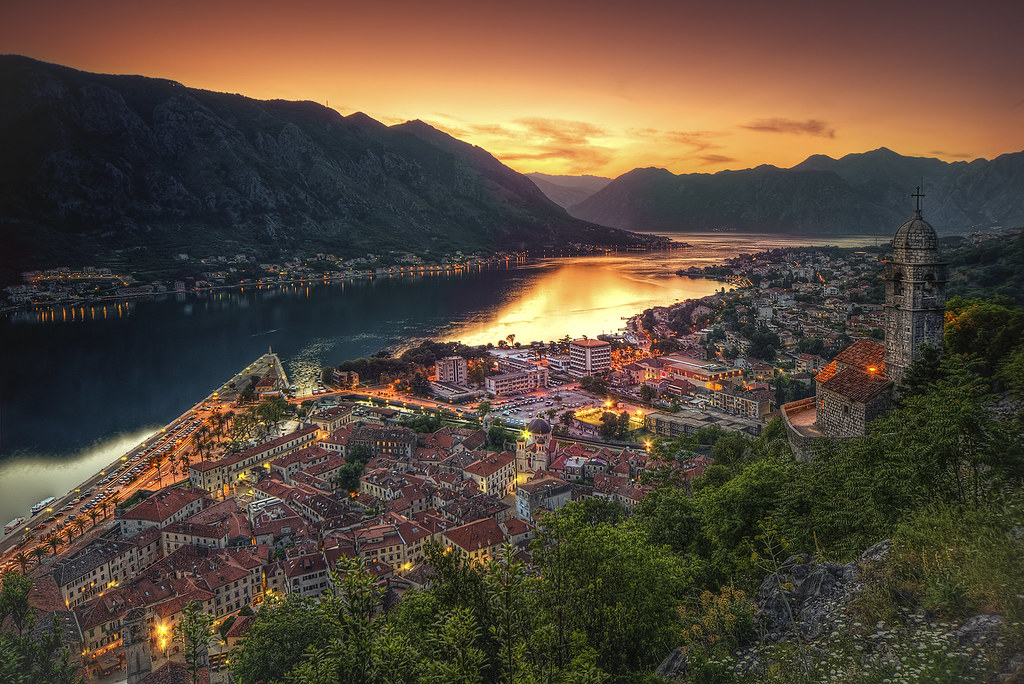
x=864, y=192
x=147, y=168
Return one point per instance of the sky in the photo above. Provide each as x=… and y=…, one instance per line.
x=594, y=87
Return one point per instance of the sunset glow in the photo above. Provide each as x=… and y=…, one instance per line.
x=588, y=87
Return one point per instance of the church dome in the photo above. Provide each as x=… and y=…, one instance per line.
x=538, y=426
x=915, y=234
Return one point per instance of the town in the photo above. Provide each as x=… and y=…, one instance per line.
x=257, y=492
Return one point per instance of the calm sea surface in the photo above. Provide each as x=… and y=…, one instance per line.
x=80, y=386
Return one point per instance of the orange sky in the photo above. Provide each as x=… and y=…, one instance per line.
x=585, y=87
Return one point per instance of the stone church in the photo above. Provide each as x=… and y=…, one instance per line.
x=858, y=385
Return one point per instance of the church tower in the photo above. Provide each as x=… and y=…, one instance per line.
x=135, y=637
x=915, y=295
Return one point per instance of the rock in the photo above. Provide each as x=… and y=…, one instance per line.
x=1013, y=670
x=980, y=631
x=877, y=553
x=673, y=665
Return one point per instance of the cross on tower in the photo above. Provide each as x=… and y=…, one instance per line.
x=918, y=195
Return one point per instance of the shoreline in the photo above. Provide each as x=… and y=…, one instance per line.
x=512, y=262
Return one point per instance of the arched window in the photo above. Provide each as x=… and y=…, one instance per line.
x=897, y=284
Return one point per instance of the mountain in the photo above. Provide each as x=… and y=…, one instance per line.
x=96, y=164
x=566, y=191
x=859, y=193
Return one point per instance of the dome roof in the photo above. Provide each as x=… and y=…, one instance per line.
x=915, y=234
x=538, y=426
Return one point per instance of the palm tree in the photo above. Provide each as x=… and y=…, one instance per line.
x=156, y=462
x=112, y=500
x=78, y=525
x=183, y=459
x=23, y=561
x=201, y=441
x=93, y=513
x=39, y=553
x=53, y=541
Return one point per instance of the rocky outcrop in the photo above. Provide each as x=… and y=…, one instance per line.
x=806, y=604
x=807, y=597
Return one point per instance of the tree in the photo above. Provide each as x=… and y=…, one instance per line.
x=483, y=408
x=194, y=632
x=608, y=583
x=78, y=525
x=349, y=476
x=609, y=425
x=14, y=592
x=594, y=385
x=299, y=622
x=23, y=561
x=988, y=329
x=647, y=393
x=622, y=424
x=27, y=655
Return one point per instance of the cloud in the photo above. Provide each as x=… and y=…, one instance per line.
x=951, y=155
x=812, y=127
x=698, y=140
x=562, y=131
x=709, y=159
x=578, y=159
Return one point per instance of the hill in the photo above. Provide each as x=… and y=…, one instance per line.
x=96, y=164
x=859, y=193
x=566, y=191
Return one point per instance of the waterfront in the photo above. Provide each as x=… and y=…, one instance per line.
x=91, y=380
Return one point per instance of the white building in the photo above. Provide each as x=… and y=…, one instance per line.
x=589, y=357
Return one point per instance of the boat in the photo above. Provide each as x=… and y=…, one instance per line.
x=43, y=504
x=14, y=525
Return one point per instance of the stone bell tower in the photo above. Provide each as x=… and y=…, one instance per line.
x=915, y=295
x=135, y=636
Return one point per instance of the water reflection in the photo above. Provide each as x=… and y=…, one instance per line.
x=30, y=477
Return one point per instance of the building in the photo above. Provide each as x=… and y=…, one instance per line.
x=915, y=295
x=494, y=473
x=478, y=541
x=517, y=382
x=858, y=385
x=747, y=404
x=709, y=375
x=589, y=357
x=544, y=492
x=223, y=475
x=451, y=369
x=163, y=508
x=384, y=441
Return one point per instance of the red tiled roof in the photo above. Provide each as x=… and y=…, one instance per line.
x=479, y=534
x=826, y=373
x=863, y=354
x=857, y=385
x=490, y=464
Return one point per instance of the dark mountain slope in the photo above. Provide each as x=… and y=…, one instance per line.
x=95, y=163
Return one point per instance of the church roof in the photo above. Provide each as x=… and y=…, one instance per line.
x=538, y=426
x=915, y=234
x=863, y=354
x=856, y=384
